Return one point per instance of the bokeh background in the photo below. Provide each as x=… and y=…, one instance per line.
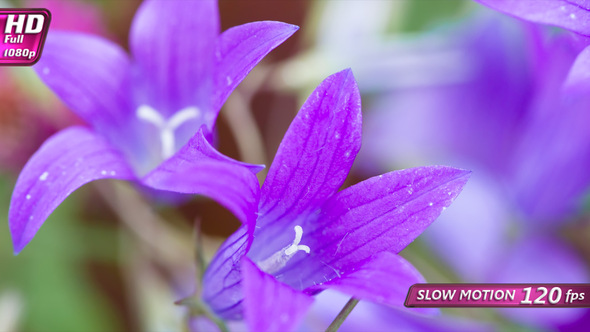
x=442, y=82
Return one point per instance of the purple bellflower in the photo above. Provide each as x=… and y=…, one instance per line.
x=301, y=235
x=573, y=15
x=520, y=121
x=148, y=117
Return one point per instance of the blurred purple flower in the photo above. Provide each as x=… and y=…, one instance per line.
x=573, y=15
x=512, y=116
x=142, y=114
x=301, y=236
x=520, y=122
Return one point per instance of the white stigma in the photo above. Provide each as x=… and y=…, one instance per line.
x=167, y=127
x=279, y=259
x=295, y=247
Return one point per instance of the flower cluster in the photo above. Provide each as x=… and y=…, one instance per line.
x=150, y=118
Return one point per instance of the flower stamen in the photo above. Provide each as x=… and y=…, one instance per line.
x=279, y=259
x=167, y=127
x=293, y=248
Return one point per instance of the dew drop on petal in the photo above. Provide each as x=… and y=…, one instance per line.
x=103, y=172
x=430, y=204
x=573, y=16
x=44, y=176
x=113, y=173
x=28, y=196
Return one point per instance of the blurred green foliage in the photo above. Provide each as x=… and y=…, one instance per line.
x=50, y=275
x=424, y=14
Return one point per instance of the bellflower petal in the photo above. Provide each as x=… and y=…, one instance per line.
x=240, y=48
x=390, y=274
x=65, y=162
x=232, y=186
x=578, y=79
x=198, y=149
x=316, y=154
x=569, y=14
x=551, y=162
x=226, y=181
x=383, y=213
x=91, y=76
x=223, y=278
x=552, y=60
x=270, y=305
x=172, y=43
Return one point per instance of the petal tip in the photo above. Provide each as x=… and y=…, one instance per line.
x=18, y=246
x=347, y=77
x=293, y=27
x=256, y=168
x=461, y=172
x=288, y=27
x=16, y=232
x=346, y=73
x=465, y=173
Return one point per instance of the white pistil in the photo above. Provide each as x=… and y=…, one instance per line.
x=167, y=127
x=279, y=259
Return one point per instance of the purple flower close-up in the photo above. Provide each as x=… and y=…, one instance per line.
x=301, y=235
x=457, y=154
x=148, y=116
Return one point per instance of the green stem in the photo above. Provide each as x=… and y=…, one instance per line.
x=220, y=323
x=198, y=308
x=200, y=257
x=342, y=315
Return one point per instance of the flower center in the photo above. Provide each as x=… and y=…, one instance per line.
x=279, y=259
x=167, y=126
